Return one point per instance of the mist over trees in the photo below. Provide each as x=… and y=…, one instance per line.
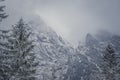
x=30, y=54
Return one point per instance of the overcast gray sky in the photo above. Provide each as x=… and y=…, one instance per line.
x=72, y=19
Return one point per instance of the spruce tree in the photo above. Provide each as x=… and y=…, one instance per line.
x=24, y=64
x=2, y=13
x=5, y=57
x=109, y=66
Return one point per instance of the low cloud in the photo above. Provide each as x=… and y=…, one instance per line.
x=72, y=19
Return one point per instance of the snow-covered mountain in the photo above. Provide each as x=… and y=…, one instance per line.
x=52, y=52
x=58, y=60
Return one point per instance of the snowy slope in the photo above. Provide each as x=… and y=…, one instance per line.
x=58, y=60
x=52, y=52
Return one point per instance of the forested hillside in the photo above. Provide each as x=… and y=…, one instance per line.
x=33, y=51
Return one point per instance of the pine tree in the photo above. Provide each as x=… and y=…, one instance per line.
x=109, y=66
x=2, y=13
x=4, y=56
x=24, y=64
